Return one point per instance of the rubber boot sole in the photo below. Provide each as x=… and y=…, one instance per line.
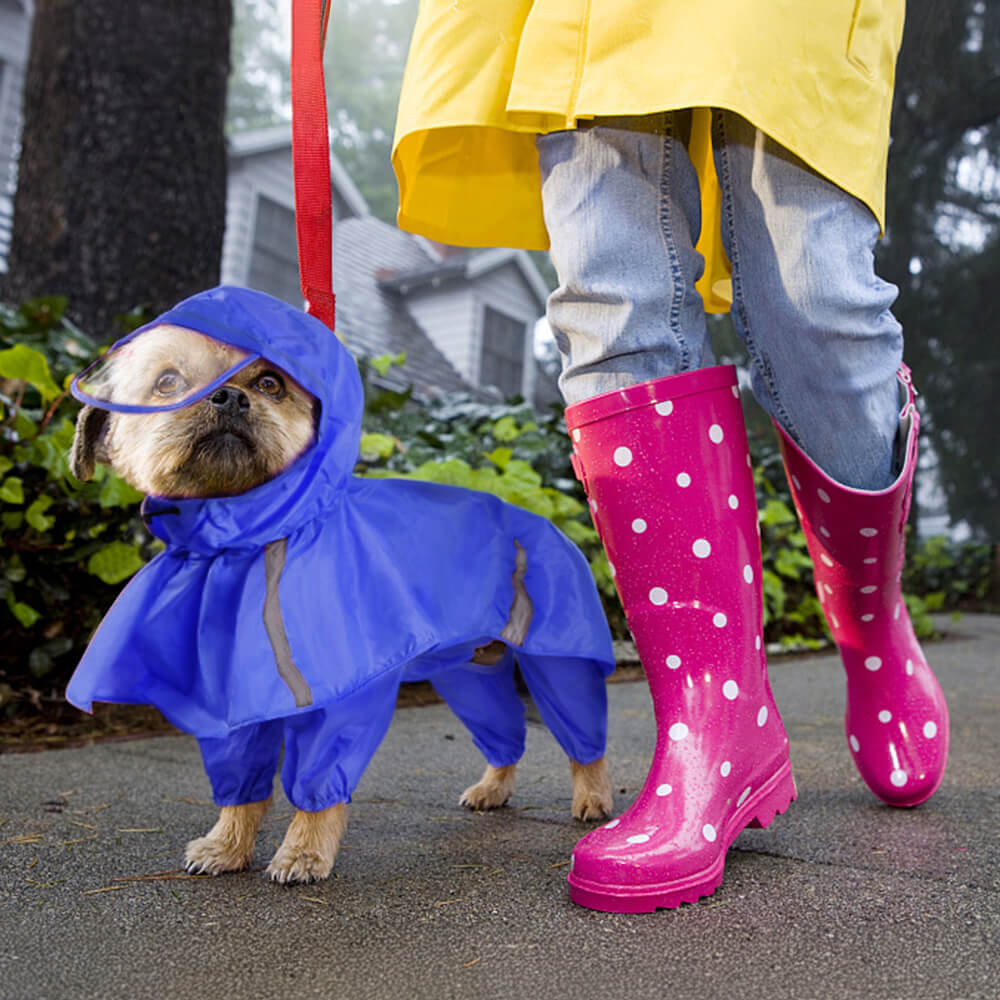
x=759, y=810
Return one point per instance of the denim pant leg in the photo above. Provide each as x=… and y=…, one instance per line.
x=824, y=346
x=623, y=214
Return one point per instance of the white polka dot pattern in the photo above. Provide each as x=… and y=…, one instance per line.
x=679, y=519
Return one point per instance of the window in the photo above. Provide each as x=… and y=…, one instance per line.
x=274, y=262
x=502, y=362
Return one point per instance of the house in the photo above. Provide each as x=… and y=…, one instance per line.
x=465, y=319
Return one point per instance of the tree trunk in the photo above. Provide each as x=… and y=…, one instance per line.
x=122, y=179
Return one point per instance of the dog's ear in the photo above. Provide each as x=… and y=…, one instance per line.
x=89, y=442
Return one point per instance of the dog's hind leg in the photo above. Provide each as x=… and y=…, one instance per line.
x=228, y=846
x=485, y=698
x=310, y=846
x=591, y=790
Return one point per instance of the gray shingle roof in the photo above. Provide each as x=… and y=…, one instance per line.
x=373, y=318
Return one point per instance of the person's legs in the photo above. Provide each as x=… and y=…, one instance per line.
x=623, y=214
x=824, y=346
x=665, y=464
x=826, y=357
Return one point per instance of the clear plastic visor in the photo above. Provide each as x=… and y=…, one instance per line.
x=163, y=368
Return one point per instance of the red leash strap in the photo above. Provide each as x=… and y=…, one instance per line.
x=311, y=158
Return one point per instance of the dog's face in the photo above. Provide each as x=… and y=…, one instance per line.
x=239, y=436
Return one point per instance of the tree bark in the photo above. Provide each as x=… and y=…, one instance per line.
x=122, y=177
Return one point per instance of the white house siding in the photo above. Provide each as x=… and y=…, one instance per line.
x=15, y=32
x=447, y=313
x=267, y=174
x=505, y=290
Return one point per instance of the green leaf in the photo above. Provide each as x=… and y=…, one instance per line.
x=776, y=512
x=376, y=446
x=116, y=492
x=792, y=563
x=5, y=465
x=383, y=362
x=24, y=613
x=499, y=457
x=12, y=490
x=582, y=534
x=35, y=514
x=505, y=429
x=518, y=469
x=115, y=562
x=14, y=570
x=27, y=364
x=12, y=520
x=24, y=426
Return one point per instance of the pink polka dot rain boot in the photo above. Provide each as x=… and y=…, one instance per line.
x=666, y=468
x=897, y=719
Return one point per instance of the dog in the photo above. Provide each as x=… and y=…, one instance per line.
x=233, y=438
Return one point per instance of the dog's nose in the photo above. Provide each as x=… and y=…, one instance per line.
x=230, y=400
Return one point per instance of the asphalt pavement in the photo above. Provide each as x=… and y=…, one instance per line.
x=842, y=897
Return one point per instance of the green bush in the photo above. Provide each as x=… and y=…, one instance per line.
x=68, y=546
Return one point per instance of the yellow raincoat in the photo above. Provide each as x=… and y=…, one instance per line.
x=485, y=76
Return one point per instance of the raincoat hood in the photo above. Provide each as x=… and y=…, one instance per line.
x=307, y=350
x=312, y=596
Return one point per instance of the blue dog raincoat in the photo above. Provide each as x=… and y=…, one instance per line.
x=289, y=615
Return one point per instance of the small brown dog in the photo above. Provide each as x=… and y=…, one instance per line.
x=242, y=434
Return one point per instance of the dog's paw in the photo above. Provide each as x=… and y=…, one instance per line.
x=592, y=799
x=492, y=790
x=211, y=856
x=310, y=846
x=228, y=846
x=290, y=867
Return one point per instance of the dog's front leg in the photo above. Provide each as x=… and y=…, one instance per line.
x=492, y=790
x=310, y=846
x=228, y=846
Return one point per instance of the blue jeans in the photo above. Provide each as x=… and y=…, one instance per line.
x=623, y=213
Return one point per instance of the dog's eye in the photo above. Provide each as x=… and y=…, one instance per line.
x=271, y=384
x=169, y=383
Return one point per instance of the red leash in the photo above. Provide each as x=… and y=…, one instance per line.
x=311, y=158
